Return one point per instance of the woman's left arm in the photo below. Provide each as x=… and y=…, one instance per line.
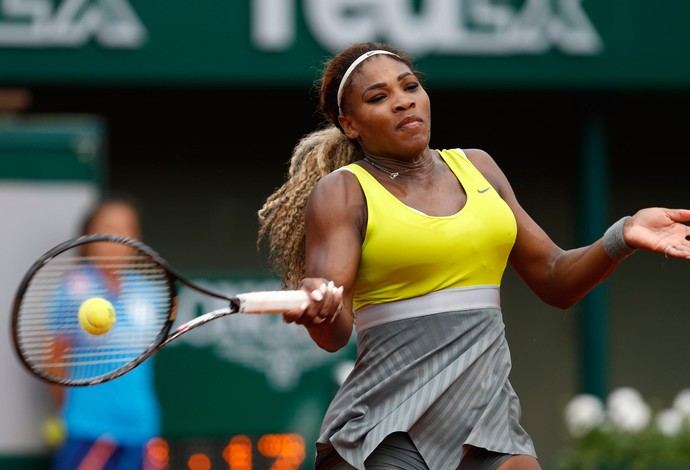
x=562, y=277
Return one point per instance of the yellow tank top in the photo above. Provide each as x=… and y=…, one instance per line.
x=406, y=253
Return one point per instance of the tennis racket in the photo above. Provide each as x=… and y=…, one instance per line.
x=141, y=288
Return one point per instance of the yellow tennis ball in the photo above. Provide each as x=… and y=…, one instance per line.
x=96, y=315
x=53, y=431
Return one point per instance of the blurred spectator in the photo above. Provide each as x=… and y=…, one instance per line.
x=107, y=426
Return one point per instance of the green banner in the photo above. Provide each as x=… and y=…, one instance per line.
x=503, y=43
x=68, y=148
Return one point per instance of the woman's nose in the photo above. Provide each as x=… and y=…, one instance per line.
x=405, y=103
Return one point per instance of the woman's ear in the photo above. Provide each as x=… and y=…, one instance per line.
x=348, y=129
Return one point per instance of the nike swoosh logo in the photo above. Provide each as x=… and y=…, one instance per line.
x=483, y=190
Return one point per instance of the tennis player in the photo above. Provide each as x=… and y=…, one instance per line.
x=417, y=240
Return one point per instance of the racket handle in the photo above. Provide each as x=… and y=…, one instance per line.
x=271, y=301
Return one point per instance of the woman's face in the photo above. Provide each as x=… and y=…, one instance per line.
x=115, y=219
x=387, y=111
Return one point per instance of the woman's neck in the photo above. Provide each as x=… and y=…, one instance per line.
x=394, y=168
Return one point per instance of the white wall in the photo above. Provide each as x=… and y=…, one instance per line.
x=34, y=217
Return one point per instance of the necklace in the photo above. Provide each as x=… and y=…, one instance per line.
x=389, y=172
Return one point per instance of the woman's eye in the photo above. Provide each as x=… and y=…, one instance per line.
x=376, y=98
x=411, y=86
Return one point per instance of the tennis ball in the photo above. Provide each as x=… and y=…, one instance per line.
x=53, y=431
x=96, y=315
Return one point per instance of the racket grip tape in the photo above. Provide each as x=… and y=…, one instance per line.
x=271, y=301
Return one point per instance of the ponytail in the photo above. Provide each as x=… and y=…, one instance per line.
x=281, y=219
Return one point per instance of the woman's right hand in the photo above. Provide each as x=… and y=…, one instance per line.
x=324, y=306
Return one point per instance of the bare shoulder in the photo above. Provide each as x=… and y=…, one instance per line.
x=337, y=204
x=340, y=185
x=489, y=168
x=336, y=194
x=480, y=159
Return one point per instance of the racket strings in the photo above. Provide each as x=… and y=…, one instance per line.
x=50, y=336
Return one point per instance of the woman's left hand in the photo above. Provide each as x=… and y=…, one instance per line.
x=661, y=230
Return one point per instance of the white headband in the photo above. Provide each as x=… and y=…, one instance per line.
x=354, y=65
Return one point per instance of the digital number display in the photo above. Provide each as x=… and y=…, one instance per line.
x=240, y=452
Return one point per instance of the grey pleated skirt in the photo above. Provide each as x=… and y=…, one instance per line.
x=441, y=377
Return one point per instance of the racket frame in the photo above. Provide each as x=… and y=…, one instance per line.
x=237, y=304
x=171, y=278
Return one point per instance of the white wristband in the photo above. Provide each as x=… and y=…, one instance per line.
x=614, y=242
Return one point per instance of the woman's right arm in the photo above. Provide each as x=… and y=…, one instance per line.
x=335, y=220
